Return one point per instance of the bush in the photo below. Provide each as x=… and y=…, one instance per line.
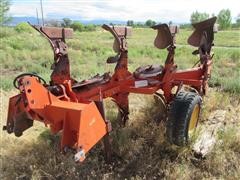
x=90, y=27
x=77, y=26
x=198, y=17
x=23, y=27
x=224, y=19
x=6, y=31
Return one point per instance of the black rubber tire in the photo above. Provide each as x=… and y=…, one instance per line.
x=179, y=116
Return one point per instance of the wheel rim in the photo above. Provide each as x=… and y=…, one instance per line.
x=194, y=117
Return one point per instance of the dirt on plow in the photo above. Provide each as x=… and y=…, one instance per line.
x=140, y=149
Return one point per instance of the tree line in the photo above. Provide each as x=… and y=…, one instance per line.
x=77, y=26
x=224, y=20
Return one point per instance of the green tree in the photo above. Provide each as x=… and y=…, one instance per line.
x=224, y=19
x=90, y=27
x=150, y=23
x=66, y=22
x=23, y=27
x=198, y=16
x=77, y=26
x=238, y=20
x=4, y=8
x=138, y=24
x=130, y=23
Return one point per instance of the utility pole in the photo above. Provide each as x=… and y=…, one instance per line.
x=37, y=16
x=42, y=12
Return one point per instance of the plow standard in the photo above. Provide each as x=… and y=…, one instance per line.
x=76, y=109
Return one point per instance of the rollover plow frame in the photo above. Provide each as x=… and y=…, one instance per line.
x=76, y=108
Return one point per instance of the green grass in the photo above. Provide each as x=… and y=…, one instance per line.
x=88, y=51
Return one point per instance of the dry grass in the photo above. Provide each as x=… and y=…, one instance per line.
x=140, y=149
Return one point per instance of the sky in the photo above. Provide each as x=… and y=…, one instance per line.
x=177, y=11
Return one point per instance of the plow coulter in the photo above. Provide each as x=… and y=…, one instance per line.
x=76, y=108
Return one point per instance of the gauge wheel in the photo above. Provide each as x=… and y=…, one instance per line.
x=183, y=117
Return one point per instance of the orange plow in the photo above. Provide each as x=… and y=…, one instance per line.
x=76, y=109
x=81, y=123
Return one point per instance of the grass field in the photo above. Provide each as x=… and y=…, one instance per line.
x=88, y=51
x=141, y=151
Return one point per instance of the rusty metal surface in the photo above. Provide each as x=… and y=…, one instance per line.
x=201, y=27
x=57, y=33
x=120, y=34
x=56, y=38
x=113, y=59
x=173, y=29
x=119, y=30
x=122, y=30
x=96, y=80
x=18, y=120
x=164, y=36
x=22, y=122
x=148, y=71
